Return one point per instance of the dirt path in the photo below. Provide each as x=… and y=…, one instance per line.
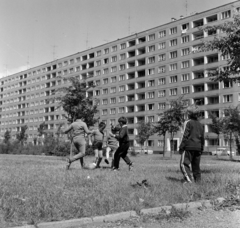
x=205, y=219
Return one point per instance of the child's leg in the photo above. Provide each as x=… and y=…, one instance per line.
x=196, y=166
x=100, y=155
x=80, y=145
x=113, y=152
x=96, y=155
x=108, y=149
x=185, y=162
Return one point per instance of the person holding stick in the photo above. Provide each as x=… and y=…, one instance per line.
x=79, y=129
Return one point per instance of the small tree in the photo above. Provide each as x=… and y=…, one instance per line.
x=42, y=131
x=75, y=102
x=175, y=115
x=216, y=125
x=145, y=130
x=161, y=128
x=22, y=135
x=7, y=137
x=228, y=44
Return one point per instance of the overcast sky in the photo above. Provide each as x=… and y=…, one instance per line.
x=34, y=32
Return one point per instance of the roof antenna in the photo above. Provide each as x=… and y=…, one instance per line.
x=186, y=5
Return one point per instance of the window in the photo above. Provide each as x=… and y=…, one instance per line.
x=105, y=91
x=122, y=77
x=112, y=111
x=113, y=90
x=227, y=84
x=114, y=59
x=151, y=37
x=173, y=30
x=150, y=106
x=105, y=81
x=105, y=101
x=98, y=72
x=173, y=67
x=151, y=83
x=98, y=53
x=162, y=33
x=113, y=69
x=106, y=50
x=106, y=61
x=227, y=98
x=151, y=95
x=121, y=99
x=151, y=48
x=114, y=48
x=173, y=55
x=162, y=45
x=185, y=77
x=173, y=79
x=151, y=71
x=226, y=14
x=123, y=46
x=161, y=106
x=185, y=27
x=173, y=92
x=173, y=42
x=162, y=69
x=150, y=119
x=151, y=59
x=121, y=110
x=122, y=67
x=226, y=57
x=97, y=92
x=185, y=64
x=123, y=56
x=98, y=63
x=121, y=88
x=113, y=100
x=185, y=51
x=162, y=57
x=185, y=39
x=185, y=90
x=162, y=93
x=113, y=79
x=104, y=112
x=161, y=81
x=105, y=71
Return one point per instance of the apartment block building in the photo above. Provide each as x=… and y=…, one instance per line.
x=134, y=76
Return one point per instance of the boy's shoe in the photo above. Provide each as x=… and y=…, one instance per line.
x=130, y=167
x=115, y=169
x=106, y=160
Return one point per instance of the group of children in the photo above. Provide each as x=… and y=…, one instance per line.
x=117, y=142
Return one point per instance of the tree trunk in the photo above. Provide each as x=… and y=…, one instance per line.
x=231, y=156
x=164, y=139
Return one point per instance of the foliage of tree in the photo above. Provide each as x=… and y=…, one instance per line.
x=42, y=129
x=145, y=130
x=227, y=42
x=7, y=137
x=22, y=136
x=76, y=104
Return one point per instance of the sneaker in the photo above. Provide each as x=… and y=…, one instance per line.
x=130, y=167
x=115, y=169
x=106, y=160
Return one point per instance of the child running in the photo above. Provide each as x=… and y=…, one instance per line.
x=122, y=150
x=79, y=129
x=97, y=143
x=112, y=144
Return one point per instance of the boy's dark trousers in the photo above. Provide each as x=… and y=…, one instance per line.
x=121, y=152
x=191, y=157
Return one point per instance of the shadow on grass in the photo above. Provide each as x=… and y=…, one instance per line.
x=174, y=179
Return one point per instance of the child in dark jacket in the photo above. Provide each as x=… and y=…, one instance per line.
x=191, y=146
x=122, y=150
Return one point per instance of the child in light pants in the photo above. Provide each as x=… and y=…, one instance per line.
x=112, y=144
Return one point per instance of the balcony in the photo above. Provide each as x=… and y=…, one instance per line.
x=199, y=101
x=130, y=98
x=198, y=74
x=140, y=108
x=198, y=61
x=141, y=62
x=131, y=54
x=130, y=87
x=140, y=85
x=140, y=96
x=198, y=35
x=212, y=59
x=141, y=74
x=130, y=109
x=213, y=100
x=131, y=75
x=141, y=51
x=197, y=23
x=212, y=86
x=198, y=88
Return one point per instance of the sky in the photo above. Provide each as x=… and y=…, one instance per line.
x=34, y=32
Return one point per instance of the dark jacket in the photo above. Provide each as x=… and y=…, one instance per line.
x=193, y=137
x=123, y=135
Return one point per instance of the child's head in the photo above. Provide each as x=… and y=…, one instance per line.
x=122, y=121
x=193, y=112
x=101, y=126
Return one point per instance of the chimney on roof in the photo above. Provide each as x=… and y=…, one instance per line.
x=181, y=17
x=173, y=19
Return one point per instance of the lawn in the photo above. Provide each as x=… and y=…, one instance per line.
x=37, y=189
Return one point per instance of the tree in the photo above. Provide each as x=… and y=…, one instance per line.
x=161, y=128
x=145, y=130
x=7, y=137
x=42, y=129
x=22, y=136
x=216, y=125
x=228, y=44
x=76, y=104
x=175, y=116
x=231, y=125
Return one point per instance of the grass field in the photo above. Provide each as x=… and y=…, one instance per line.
x=34, y=189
